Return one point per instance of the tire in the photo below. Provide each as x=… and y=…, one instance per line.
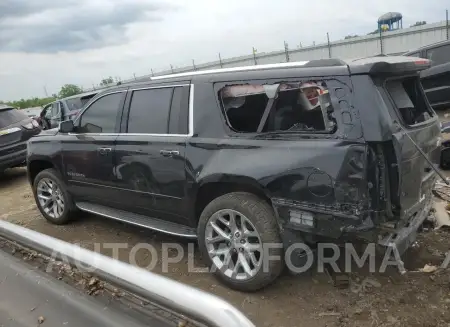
x=256, y=211
x=65, y=215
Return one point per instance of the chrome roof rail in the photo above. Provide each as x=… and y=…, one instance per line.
x=233, y=69
x=194, y=303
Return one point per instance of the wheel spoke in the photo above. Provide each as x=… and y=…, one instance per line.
x=220, y=231
x=247, y=232
x=224, y=221
x=46, y=200
x=253, y=259
x=232, y=224
x=221, y=251
x=216, y=239
x=243, y=262
x=55, y=209
x=236, y=267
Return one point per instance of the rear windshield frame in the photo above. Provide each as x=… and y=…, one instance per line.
x=14, y=118
x=396, y=109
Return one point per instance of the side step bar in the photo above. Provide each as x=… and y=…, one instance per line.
x=138, y=220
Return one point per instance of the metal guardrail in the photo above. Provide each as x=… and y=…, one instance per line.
x=194, y=303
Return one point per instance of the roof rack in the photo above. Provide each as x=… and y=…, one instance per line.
x=311, y=63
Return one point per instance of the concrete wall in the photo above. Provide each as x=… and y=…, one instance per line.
x=393, y=42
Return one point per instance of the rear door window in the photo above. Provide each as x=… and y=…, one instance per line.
x=409, y=99
x=11, y=116
x=150, y=111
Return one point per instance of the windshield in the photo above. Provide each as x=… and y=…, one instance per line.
x=11, y=116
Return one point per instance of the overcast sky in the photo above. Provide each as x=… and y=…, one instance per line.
x=50, y=43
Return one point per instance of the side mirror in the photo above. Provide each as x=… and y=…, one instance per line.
x=66, y=126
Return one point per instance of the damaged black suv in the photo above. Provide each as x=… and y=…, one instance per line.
x=240, y=158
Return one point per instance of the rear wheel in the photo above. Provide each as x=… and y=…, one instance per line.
x=237, y=232
x=52, y=198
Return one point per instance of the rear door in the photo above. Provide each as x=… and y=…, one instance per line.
x=416, y=123
x=150, y=151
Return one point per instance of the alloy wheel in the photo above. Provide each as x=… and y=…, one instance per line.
x=50, y=198
x=233, y=244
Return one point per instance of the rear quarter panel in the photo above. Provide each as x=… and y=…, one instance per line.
x=320, y=172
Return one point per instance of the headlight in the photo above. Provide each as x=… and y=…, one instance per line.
x=31, y=125
x=28, y=126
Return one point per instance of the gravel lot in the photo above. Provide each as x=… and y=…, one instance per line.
x=389, y=299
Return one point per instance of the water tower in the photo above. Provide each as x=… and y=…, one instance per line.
x=390, y=21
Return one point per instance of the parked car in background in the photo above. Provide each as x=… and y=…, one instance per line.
x=34, y=113
x=247, y=157
x=64, y=109
x=16, y=128
x=436, y=80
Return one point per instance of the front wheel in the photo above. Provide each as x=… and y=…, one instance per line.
x=52, y=198
x=239, y=236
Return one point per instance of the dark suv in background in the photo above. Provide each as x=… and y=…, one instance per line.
x=15, y=130
x=245, y=157
x=436, y=80
x=64, y=109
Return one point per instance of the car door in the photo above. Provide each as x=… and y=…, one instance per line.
x=88, y=152
x=150, y=152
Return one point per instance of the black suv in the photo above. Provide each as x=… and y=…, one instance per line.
x=245, y=157
x=15, y=130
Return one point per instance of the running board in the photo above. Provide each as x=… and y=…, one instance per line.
x=138, y=220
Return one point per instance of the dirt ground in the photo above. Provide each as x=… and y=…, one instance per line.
x=388, y=299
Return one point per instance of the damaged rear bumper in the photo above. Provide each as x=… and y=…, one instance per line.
x=347, y=227
x=402, y=238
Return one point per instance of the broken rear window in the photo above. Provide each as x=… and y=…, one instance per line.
x=299, y=107
x=409, y=99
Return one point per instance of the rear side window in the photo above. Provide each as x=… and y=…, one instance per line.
x=440, y=55
x=11, y=116
x=152, y=110
x=297, y=107
x=409, y=99
x=101, y=116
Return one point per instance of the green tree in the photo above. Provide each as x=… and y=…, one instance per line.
x=69, y=90
x=29, y=103
x=107, y=81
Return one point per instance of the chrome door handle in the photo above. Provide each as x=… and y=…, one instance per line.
x=169, y=153
x=104, y=151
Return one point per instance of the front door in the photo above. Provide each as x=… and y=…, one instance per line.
x=88, y=153
x=150, y=152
